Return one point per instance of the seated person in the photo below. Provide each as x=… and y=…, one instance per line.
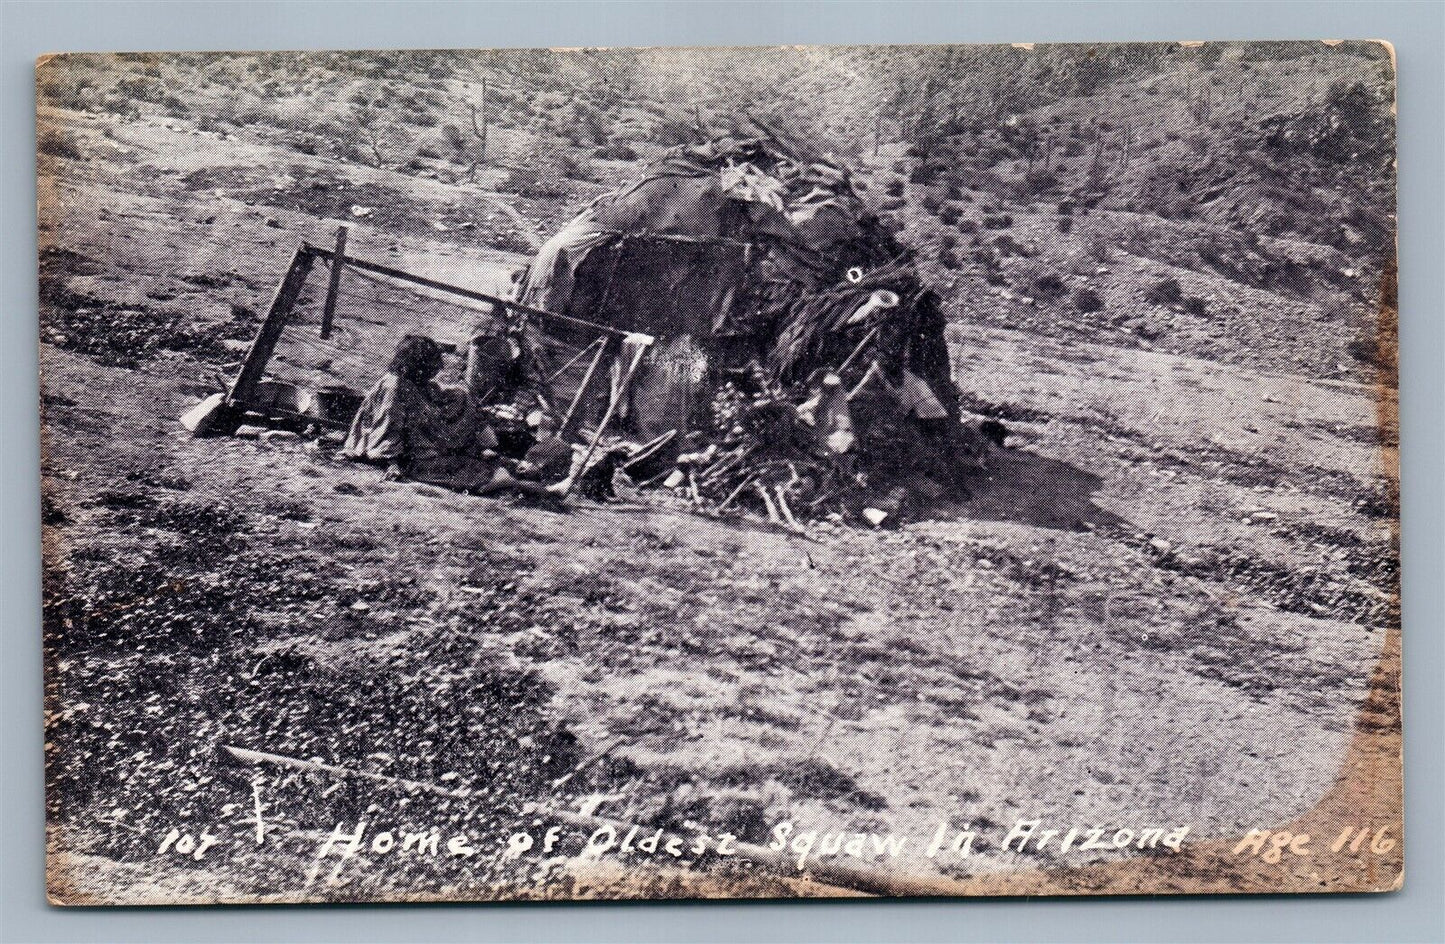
x=502, y=368
x=489, y=365
x=550, y=458
x=425, y=431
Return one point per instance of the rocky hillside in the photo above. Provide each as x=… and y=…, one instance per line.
x=1231, y=201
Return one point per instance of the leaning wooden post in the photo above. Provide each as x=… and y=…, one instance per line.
x=573, y=419
x=643, y=342
x=338, y=259
x=575, y=358
x=244, y=387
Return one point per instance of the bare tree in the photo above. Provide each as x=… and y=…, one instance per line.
x=368, y=128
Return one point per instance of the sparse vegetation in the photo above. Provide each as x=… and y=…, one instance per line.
x=1088, y=300
x=56, y=143
x=1164, y=292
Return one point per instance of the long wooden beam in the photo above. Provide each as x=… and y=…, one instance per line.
x=473, y=294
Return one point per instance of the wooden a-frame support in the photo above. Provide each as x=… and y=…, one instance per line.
x=221, y=413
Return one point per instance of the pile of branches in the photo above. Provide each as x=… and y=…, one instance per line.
x=758, y=455
x=813, y=328
x=765, y=454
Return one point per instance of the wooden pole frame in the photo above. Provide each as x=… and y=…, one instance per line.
x=573, y=418
x=607, y=417
x=333, y=287
x=503, y=303
x=242, y=393
x=243, y=389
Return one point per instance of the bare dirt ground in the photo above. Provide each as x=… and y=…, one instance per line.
x=1161, y=607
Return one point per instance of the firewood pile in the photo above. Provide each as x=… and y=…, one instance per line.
x=763, y=455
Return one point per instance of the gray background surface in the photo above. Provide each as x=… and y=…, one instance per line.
x=1418, y=32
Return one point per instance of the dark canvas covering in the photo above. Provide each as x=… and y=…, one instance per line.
x=731, y=251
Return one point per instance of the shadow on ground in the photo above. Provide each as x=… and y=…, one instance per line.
x=1028, y=488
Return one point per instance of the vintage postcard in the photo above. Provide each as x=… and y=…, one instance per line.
x=720, y=472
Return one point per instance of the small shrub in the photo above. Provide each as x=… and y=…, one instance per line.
x=1066, y=223
x=64, y=96
x=57, y=144
x=141, y=89
x=948, y=214
x=616, y=150
x=967, y=227
x=545, y=175
x=1088, y=300
x=924, y=172
x=121, y=106
x=894, y=188
x=453, y=138
x=1196, y=306
x=1009, y=246
x=999, y=221
x=1050, y=285
x=1039, y=181
x=1164, y=292
x=531, y=181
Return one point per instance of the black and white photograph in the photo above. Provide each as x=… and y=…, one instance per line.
x=720, y=472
